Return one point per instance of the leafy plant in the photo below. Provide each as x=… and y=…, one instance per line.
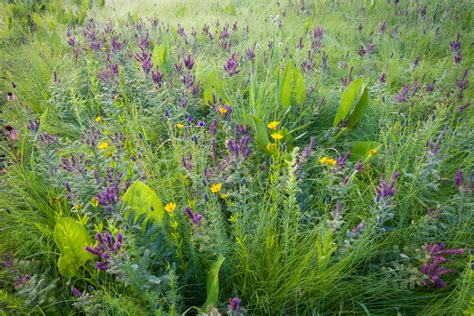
x=354, y=102
x=71, y=237
x=142, y=201
x=212, y=284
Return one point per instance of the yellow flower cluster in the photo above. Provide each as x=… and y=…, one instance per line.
x=273, y=125
x=327, y=161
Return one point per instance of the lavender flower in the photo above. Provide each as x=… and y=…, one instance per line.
x=231, y=66
x=145, y=59
x=383, y=27
x=188, y=62
x=433, y=270
x=157, y=78
x=237, y=147
x=33, y=125
x=195, y=217
x=459, y=180
x=309, y=149
x=234, y=304
x=75, y=292
x=250, y=53
x=116, y=44
x=107, y=246
x=456, y=44
x=402, y=96
x=187, y=162
x=385, y=190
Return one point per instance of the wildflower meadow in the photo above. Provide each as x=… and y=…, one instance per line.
x=236, y=157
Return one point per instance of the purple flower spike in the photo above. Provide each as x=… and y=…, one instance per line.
x=106, y=247
x=433, y=269
x=75, y=292
x=232, y=65
x=385, y=190
x=188, y=62
x=459, y=179
x=195, y=217
x=234, y=304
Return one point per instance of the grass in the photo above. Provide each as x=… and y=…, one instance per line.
x=302, y=227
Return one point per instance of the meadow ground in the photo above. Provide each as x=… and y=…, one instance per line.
x=236, y=157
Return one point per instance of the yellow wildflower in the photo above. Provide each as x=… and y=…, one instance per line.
x=273, y=125
x=216, y=188
x=94, y=201
x=327, y=161
x=179, y=125
x=277, y=136
x=103, y=145
x=98, y=119
x=373, y=152
x=222, y=110
x=170, y=207
x=271, y=146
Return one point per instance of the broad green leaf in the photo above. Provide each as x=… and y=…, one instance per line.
x=36, y=18
x=159, y=54
x=359, y=109
x=141, y=200
x=360, y=150
x=212, y=284
x=261, y=134
x=71, y=237
x=292, y=88
x=349, y=96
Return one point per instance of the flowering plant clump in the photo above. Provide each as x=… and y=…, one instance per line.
x=157, y=159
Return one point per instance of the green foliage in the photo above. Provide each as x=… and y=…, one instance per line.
x=212, y=284
x=299, y=226
x=354, y=102
x=360, y=150
x=292, y=90
x=141, y=200
x=71, y=237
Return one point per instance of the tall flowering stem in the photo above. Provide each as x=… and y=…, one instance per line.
x=106, y=248
x=433, y=268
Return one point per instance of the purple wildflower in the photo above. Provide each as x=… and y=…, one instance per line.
x=342, y=160
x=386, y=190
x=195, y=217
x=459, y=179
x=231, y=66
x=309, y=149
x=402, y=96
x=433, y=270
x=12, y=134
x=107, y=246
x=234, y=304
x=75, y=292
x=456, y=44
x=382, y=77
x=358, y=228
x=11, y=97
x=250, y=53
x=188, y=62
x=383, y=27
x=145, y=59
x=157, y=78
